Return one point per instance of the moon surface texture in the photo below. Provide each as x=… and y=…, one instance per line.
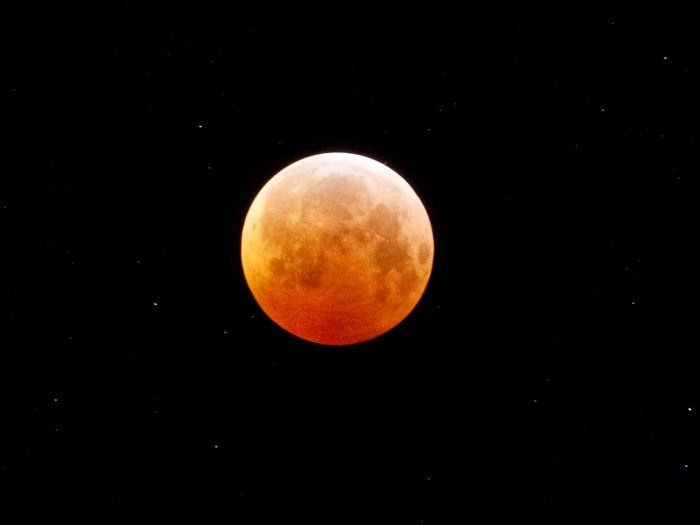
x=337, y=248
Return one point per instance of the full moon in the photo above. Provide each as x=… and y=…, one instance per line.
x=337, y=248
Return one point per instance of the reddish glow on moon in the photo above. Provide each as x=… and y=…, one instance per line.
x=337, y=248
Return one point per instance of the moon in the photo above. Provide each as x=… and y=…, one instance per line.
x=337, y=248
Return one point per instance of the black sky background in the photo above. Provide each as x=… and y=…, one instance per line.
x=549, y=368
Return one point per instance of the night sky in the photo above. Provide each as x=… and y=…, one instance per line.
x=549, y=368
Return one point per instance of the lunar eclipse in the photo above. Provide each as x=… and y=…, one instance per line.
x=337, y=248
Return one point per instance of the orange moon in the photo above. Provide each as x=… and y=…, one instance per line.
x=337, y=248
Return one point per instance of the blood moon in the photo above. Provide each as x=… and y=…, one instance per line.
x=337, y=248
